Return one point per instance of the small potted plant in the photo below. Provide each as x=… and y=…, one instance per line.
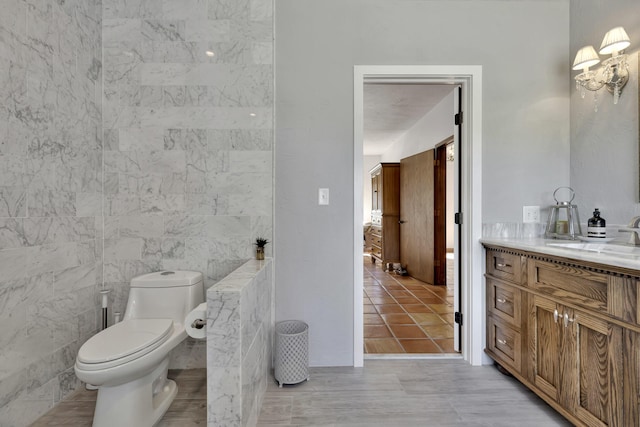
x=261, y=242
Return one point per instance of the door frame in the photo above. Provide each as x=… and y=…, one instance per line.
x=471, y=282
x=440, y=206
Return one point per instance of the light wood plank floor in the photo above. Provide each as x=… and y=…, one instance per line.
x=385, y=393
x=188, y=409
x=407, y=393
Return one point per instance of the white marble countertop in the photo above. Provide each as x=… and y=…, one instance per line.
x=630, y=261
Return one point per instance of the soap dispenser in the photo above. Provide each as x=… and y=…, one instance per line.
x=596, y=226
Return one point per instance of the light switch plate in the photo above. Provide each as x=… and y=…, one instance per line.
x=323, y=196
x=530, y=214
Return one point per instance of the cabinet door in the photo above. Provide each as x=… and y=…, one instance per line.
x=545, y=339
x=586, y=351
x=571, y=360
x=375, y=189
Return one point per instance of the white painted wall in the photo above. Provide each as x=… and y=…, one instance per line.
x=434, y=127
x=604, y=144
x=318, y=43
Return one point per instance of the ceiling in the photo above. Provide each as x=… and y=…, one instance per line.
x=390, y=110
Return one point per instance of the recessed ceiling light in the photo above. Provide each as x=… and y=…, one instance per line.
x=209, y=53
x=252, y=114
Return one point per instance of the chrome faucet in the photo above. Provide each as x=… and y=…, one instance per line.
x=634, y=229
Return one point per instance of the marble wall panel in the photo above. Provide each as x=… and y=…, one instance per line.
x=117, y=130
x=194, y=117
x=51, y=196
x=132, y=9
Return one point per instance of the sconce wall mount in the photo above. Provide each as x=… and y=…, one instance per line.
x=614, y=72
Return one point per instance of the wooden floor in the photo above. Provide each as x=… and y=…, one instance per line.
x=407, y=393
x=188, y=409
x=404, y=315
x=385, y=393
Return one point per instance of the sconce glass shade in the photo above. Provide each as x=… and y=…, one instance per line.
x=614, y=41
x=585, y=58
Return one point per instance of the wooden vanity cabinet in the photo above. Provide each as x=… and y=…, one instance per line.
x=579, y=346
x=504, y=309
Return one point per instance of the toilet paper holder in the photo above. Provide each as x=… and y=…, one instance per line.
x=199, y=324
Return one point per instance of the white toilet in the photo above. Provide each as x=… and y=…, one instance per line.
x=129, y=361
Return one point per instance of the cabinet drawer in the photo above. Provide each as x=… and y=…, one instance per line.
x=376, y=229
x=376, y=240
x=504, y=342
x=578, y=285
x=504, y=301
x=376, y=251
x=504, y=266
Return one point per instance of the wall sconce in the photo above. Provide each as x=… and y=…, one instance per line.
x=614, y=72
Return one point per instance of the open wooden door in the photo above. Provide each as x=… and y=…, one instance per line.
x=417, y=215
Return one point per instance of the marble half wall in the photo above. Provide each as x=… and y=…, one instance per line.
x=239, y=343
x=188, y=139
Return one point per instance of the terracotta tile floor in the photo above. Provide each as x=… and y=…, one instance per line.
x=405, y=315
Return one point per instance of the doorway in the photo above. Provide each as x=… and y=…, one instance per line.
x=469, y=231
x=406, y=312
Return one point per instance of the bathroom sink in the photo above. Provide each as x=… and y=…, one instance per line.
x=608, y=248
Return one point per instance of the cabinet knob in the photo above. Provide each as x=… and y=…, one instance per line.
x=503, y=265
x=501, y=341
x=501, y=300
x=401, y=222
x=555, y=315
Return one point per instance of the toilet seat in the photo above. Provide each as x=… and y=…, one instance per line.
x=123, y=342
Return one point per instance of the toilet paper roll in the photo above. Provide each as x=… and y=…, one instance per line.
x=198, y=313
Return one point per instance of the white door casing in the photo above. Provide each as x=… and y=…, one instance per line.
x=470, y=276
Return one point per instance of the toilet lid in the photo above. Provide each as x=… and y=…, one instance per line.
x=125, y=338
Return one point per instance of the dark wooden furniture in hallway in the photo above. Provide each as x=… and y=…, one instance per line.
x=385, y=213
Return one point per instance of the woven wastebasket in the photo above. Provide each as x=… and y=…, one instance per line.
x=292, y=352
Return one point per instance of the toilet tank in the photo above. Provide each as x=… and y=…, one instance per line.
x=164, y=295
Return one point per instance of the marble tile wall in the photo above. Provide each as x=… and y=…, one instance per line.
x=188, y=173
x=514, y=230
x=239, y=335
x=50, y=198
x=123, y=149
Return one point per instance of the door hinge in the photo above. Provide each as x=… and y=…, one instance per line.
x=436, y=162
x=458, y=119
x=457, y=317
x=458, y=218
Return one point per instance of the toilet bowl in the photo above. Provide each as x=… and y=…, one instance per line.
x=128, y=361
